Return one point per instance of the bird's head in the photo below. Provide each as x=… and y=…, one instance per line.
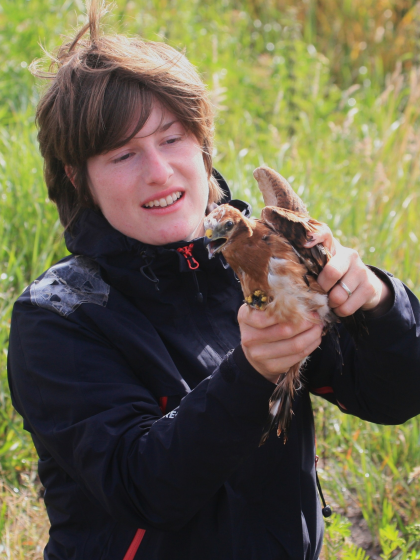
x=221, y=225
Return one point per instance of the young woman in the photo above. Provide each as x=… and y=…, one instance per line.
x=140, y=375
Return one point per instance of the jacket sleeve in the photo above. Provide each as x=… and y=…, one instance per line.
x=376, y=378
x=89, y=410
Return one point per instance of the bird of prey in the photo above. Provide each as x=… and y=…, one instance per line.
x=277, y=273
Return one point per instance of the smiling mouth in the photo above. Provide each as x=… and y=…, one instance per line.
x=164, y=202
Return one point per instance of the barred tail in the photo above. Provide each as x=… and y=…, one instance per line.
x=281, y=404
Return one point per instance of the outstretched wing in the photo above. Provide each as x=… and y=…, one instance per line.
x=297, y=229
x=276, y=190
x=286, y=214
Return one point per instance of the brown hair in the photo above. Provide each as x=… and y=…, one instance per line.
x=98, y=87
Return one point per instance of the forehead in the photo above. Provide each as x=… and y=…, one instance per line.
x=160, y=119
x=150, y=124
x=142, y=116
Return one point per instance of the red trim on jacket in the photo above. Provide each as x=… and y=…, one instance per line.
x=138, y=537
x=323, y=390
x=134, y=546
x=163, y=401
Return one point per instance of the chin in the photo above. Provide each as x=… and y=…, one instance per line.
x=181, y=234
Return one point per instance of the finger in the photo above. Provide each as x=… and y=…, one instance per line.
x=262, y=320
x=274, y=333
x=338, y=295
x=293, y=349
x=362, y=290
x=337, y=267
x=343, y=290
x=255, y=318
x=352, y=304
x=363, y=293
x=324, y=236
x=284, y=363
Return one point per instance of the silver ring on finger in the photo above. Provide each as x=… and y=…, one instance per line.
x=346, y=288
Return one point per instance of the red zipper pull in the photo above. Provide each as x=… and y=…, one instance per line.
x=187, y=252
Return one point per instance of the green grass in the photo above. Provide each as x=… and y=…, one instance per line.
x=347, y=139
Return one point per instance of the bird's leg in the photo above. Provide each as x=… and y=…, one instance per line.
x=258, y=300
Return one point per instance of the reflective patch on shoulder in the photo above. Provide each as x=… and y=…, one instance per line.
x=67, y=285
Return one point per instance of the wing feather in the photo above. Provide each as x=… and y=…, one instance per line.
x=276, y=190
x=293, y=226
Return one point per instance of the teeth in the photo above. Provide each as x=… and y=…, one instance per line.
x=162, y=202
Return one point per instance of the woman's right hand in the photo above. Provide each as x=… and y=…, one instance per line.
x=272, y=347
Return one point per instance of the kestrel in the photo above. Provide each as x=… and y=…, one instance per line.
x=277, y=273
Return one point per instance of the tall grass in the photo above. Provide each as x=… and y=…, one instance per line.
x=23, y=520
x=325, y=92
x=359, y=36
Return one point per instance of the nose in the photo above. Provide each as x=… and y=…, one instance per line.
x=156, y=169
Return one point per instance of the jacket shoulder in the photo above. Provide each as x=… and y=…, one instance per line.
x=68, y=284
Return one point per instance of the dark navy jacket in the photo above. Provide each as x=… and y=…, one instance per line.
x=96, y=354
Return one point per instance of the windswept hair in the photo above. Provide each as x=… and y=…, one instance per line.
x=100, y=85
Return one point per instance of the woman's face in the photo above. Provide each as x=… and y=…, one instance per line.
x=154, y=188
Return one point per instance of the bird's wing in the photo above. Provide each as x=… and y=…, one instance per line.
x=276, y=190
x=297, y=229
x=287, y=215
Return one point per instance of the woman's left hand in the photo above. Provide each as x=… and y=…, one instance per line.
x=350, y=283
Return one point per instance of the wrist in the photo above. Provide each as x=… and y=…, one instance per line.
x=383, y=300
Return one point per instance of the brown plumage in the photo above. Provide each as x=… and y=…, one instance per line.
x=277, y=273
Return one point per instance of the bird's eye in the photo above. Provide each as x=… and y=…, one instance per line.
x=228, y=225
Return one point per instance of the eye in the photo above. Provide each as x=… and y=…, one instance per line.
x=173, y=140
x=228, y=225
x=123, y=158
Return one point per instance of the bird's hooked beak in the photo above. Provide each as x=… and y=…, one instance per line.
x=214, y=240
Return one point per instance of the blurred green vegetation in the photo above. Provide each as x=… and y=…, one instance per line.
x=326, y=92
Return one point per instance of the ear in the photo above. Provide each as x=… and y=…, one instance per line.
x=70, y=174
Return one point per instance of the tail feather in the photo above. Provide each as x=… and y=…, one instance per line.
x=281, y=404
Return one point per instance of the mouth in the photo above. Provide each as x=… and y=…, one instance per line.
x=215, y=246
x=163, y=202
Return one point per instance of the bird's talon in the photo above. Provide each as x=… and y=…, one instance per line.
x=257, y=300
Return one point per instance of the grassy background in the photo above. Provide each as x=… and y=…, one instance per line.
x=327, y=92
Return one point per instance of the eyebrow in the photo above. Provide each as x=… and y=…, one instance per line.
x=162, y=128
x=166, y=126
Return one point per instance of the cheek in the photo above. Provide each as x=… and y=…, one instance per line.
x=107, y=189
x=95, y=178
x=200, y=179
